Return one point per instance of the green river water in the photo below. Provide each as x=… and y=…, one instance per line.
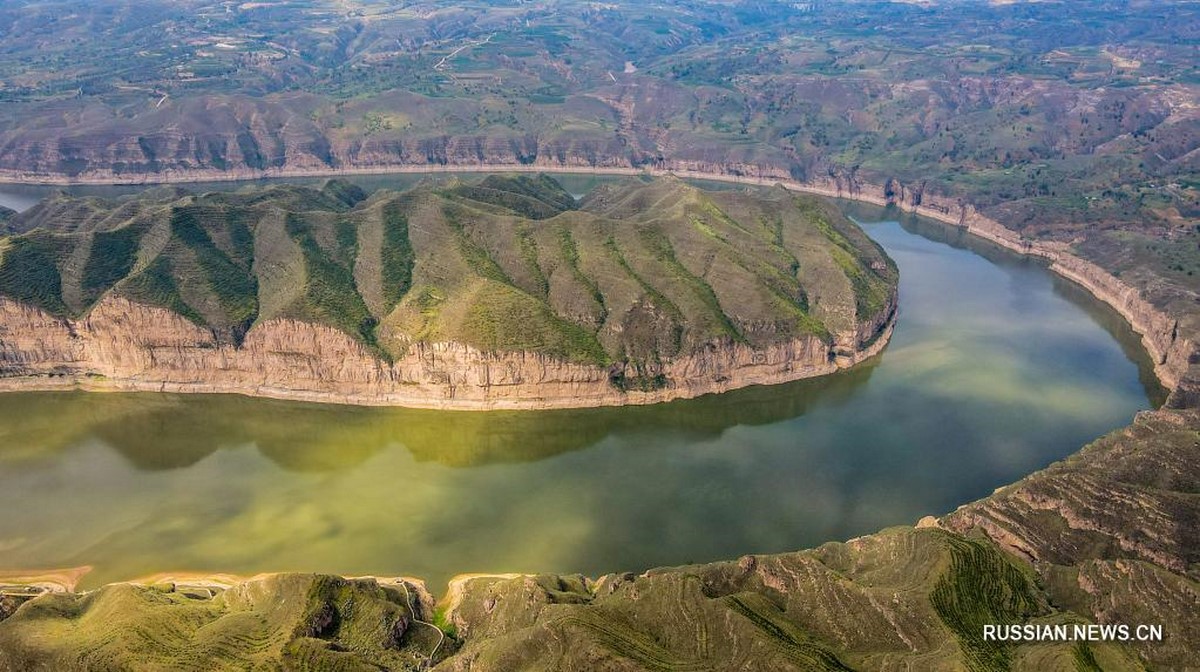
x=996, y=369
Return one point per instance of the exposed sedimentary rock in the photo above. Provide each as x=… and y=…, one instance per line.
x=497, y=294
x=122, y=345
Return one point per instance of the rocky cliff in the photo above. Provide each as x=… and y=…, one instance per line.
x=123, y=345
x=446, y=298
x=1171, y=350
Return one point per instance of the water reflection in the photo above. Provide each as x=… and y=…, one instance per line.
x=159, y=431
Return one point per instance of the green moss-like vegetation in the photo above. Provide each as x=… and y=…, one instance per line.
x=346, y=241
x=660, y=246
x=503, y=318
x=541, y=188
x=345, y=192
x=529, y=254
x=234, y=287
x=283, y=622
x=570, y=254
x=531, y=197
x=396, y=256
x=112, y=257
x=767, y=618
x=156, y=286
x=29, y=271
x=1085, y=659
x=476, y=256
x=656, y=297
x=639, y=273
x=871, y=272
x=330, y=296
x=983, y=587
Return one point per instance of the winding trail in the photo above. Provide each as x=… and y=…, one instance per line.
x=442, y=63
x=413, y=611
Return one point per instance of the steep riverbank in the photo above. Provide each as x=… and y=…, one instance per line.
x=125, y=346
x=913, y=592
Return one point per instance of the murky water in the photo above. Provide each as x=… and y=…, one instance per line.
x=996, y=369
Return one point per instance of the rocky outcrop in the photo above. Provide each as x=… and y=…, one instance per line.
x=1159, y=331
x=1171, y=352
x=122, y=345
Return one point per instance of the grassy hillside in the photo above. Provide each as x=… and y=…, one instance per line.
x=640, y=270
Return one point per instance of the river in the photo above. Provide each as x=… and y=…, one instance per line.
x=996, y=368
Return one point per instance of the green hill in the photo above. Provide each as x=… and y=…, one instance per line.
x=637, y=271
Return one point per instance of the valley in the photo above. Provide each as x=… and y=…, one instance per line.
x=590, y=315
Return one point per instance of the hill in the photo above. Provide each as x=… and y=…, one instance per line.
x=643, y=286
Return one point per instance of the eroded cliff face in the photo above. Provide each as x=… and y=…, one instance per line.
x=122, y=345
x=1160, y=332
x=180, y=159
x=1171, y=350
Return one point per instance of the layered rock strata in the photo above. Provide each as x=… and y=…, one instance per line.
x=125, y=346
x=503, y=293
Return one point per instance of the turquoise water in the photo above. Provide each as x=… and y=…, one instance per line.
x=995, y=370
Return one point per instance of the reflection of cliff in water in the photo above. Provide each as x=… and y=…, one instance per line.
x=958, y=237
x=939, y=232
x=161, y=431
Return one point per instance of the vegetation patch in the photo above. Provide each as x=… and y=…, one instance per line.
x=330, y=296
x=982, y=587
x=156, y=286
x=397, y=256
x=112, y=257
x=504, y=318
x=29, y=271
x=616, y=282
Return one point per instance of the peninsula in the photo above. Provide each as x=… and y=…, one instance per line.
x=503, y=292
